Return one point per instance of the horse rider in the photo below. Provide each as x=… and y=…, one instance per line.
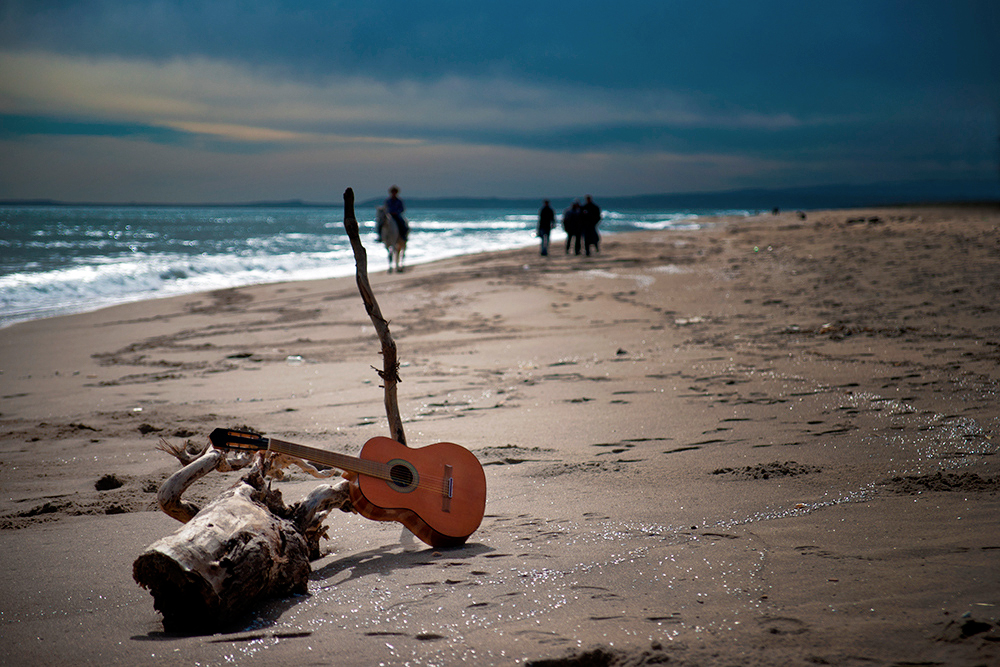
x=394, y=207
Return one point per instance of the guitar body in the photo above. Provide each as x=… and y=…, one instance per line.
x=437, y=491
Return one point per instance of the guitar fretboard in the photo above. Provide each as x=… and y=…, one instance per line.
x=332, y=459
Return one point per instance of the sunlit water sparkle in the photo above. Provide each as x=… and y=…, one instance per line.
x=673, y=566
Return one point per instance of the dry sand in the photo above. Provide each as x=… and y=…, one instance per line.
x=772, y=442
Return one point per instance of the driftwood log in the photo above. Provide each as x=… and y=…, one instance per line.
x=243, y=547
x=246, y=545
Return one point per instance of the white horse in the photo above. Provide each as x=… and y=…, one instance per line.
x=388, y=231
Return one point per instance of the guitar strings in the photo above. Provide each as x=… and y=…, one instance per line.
x=376, y=469
x=367, y=467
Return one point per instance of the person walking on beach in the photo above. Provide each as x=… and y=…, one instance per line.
x=394, y=207
x=546, y=218
x=571, y=224
x=590, y=215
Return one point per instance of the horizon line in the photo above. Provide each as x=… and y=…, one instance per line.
x=826, y=190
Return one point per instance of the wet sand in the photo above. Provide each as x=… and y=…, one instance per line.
x=771, y=442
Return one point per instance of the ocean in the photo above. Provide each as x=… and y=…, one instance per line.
x=57, y=260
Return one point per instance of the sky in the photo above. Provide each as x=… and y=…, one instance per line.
x=184, y=101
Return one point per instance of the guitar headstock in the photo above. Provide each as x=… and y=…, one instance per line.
x=227, y=438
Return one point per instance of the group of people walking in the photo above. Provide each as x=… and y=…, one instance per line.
x=579, y=222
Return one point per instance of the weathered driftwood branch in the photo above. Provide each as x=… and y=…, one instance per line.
x=197, y=464
x=390, y=364
x=169, y=495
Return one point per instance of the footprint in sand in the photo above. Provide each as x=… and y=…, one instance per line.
x=783, y=626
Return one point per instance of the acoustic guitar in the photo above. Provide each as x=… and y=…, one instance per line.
x=437, y=491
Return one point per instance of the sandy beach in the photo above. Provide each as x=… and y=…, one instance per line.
x=769, y=442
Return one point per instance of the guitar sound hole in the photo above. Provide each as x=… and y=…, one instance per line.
x=401, y=476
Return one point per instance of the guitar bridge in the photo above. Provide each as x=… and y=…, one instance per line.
x=447, y=489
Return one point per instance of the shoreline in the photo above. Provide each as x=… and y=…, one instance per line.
x=769, y=441
x=48, y=311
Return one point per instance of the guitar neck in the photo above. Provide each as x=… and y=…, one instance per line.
x=332, y=459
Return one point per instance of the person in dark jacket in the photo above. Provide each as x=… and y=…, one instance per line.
x=571, y=224
x=394, y=207
x=546, y=218
x=590, y=217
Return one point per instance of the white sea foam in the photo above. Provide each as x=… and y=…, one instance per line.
x=59, y=260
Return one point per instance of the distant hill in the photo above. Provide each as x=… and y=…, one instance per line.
x=815, y=197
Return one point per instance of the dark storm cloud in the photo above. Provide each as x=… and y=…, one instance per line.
x=749, y=49
x=831, y=87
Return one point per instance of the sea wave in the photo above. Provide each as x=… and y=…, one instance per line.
x=62, y=260
x=111, y=281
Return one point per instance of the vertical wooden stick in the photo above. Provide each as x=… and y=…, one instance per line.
x=390, y=365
